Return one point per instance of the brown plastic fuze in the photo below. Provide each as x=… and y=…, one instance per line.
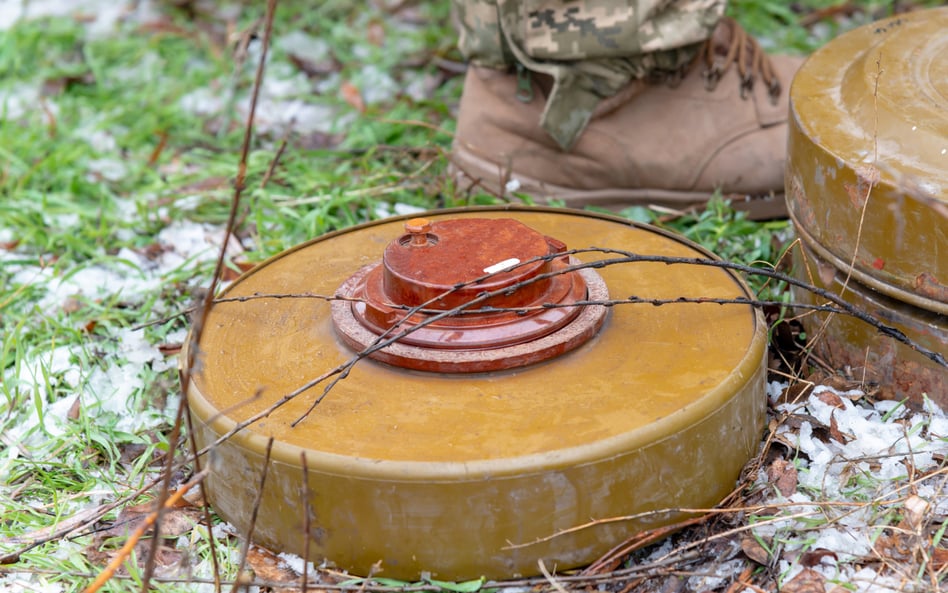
x=867, y=189
x=514, y=406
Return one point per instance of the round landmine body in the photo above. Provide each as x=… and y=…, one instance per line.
x=867, y=190
x=470, y=474
x=884, y=365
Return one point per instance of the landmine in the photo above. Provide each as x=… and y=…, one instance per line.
x=867, y=190
x=486, y=441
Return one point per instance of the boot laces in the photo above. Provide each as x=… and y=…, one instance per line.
x=731, y=45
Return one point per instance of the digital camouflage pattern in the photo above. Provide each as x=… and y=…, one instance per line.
x=591, y=48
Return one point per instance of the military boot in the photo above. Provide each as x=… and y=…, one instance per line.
x=723, y=125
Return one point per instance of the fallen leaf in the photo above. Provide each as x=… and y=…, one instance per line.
x=939, y=559
x=58, y=84
x=155, y=250
x=794, y=393
x=831, y=399
x=893, y=547
x=783, y=475
x=313, y=68
x=851, y=386
x=915, y=509
x=835, y=433
x=169, y=561
x=72, y=305
x=230, y=273
x=375, y=33
x=74, y=409
x=319, y=140
x=352, y=96
x=808, y=581
x=269, y=567
x=130, y=452
x=814, y=557
x=820, y=430
x=755, y=551
x=175, y=521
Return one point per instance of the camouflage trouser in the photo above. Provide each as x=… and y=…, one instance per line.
x=591, y=48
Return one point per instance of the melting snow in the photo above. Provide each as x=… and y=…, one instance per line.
x=861, y=477
x=377, y=85
x=132, y=358
x=383, y=210
x=304, y=45
x=99, y=16
x=19, y=100
x=879, y=445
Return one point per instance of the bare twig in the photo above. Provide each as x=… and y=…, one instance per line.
x=245, y=550
x=307, y=520
x=133, y=539
x=163, y=493
x=549, y=577
x=205, y=505
x=688, y=511
x=193, y=351
x=276, y=158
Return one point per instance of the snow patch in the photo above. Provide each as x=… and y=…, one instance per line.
x=376, y=85
x=108, y=169
x=274, y=115
x=304, y=45
x=34, y=583
x=384, y=210
x=851, y=452
x=723, y=573
x=296, y=563
x=100, y=17
x=115, y=390
x=202, y=101
x=94, y=282
x=20, y=99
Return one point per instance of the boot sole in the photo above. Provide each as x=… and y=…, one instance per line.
x=469, y=171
